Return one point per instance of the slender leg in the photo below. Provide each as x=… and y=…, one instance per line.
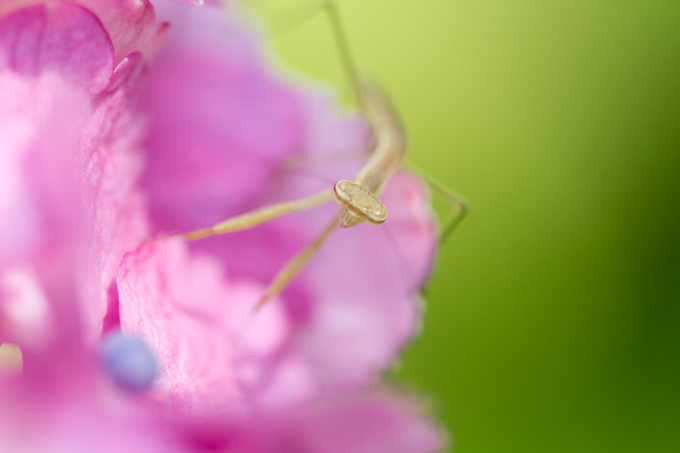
x=261, y=215
x=458, y=203
x=295, y=264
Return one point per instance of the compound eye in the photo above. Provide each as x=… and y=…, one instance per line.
x=377, y=214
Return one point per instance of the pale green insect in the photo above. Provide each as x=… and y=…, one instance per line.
x=358, y=199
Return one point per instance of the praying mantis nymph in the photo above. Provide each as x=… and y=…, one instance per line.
x=358, y=199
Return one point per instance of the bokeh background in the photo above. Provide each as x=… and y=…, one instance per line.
x=553, y=318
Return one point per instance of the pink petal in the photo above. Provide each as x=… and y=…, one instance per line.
x=131, y=25
x=220, y=123
x=218, y=355
x=63, y=38
x=233, y=111
x=111, y=172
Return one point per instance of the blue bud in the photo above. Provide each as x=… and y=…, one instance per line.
x=128, y=361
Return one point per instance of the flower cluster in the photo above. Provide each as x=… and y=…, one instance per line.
x=116, y=127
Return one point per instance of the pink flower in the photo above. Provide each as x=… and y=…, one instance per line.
x=109, y=135
x=68, y=204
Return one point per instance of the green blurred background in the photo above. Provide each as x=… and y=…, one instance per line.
x=553, y=319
